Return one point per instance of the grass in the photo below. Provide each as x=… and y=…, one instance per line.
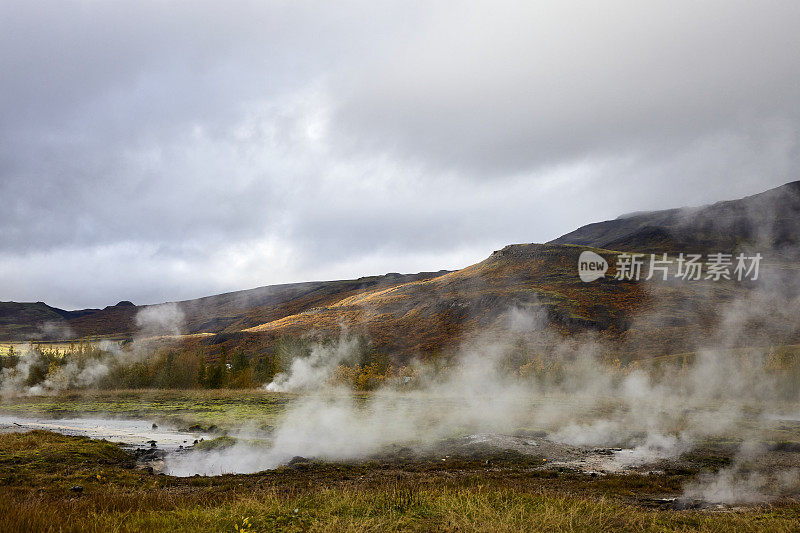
x=39, y=469
x=195, y=409
x=183, y=408
x=477, y=509
x=216, y=444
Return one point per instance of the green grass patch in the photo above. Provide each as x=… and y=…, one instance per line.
x=222, y=409
x=218, y=443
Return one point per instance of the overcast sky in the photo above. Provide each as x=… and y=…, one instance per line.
x=157, y=151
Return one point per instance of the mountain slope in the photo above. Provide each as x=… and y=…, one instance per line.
x=213, y=314
x=529, y=290
x=20, y=321
x=766, y=222
x=538, y=282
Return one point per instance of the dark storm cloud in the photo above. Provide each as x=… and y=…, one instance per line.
x=163, y=150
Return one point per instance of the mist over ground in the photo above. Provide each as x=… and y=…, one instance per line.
x=649, y=410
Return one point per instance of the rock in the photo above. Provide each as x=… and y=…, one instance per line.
x=605, y=451
x=76, y=488
x=155, y=426
x=152, y=443
x=297, y=459
x=683, y=504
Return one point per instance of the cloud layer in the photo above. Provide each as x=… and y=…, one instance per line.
x=158, y=151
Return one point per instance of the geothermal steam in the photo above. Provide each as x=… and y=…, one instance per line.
x=153, y=322
x=653, y=413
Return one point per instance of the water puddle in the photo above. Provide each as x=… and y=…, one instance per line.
x=135, y=433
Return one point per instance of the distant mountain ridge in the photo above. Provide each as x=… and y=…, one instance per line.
x=237, y=310
x=768, y=221
x=432, y=312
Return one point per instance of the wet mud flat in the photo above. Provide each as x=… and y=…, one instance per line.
x=134, y=433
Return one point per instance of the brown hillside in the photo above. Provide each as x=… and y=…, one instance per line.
x=438, y=313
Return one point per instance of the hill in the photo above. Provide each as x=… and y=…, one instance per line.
x=215, y=314
x=531, y=291
x=767, y=222
x=538, y=282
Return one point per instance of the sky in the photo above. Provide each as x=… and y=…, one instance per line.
x=163, y=150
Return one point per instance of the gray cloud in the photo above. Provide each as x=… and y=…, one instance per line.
x=510, y=86
x=156, y=151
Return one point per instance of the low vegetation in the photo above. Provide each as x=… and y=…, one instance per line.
x=113, y=365
x=56, y=483
x=194, y=410
x=91, y=365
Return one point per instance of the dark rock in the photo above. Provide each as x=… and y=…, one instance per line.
x=76, y=488
x=297, y=459
x=792, y=447
x=155, y=426
x=606, y=451
x=686, y=504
